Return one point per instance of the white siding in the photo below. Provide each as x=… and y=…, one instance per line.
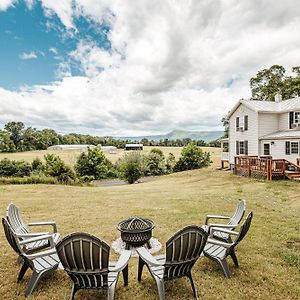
x=284, y=121
x=277, y=150
x=250, y=135
x=267, y=123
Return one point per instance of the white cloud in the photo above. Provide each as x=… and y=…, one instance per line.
x=172, y=64
x=5, y=4
x=30, y=55
x=53, y=50
x=30, y=3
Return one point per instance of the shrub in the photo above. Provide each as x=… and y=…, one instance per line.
x=155, y=163
x=192, y=157
x=94, y=163
x=170, y=163
x=130, y=167
x=28, y=180
x=37, y=165
x=55, y=167
x=157, y=151
x=13, y=168
x=87, y=178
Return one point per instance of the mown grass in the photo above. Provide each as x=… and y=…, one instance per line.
x=269, y=255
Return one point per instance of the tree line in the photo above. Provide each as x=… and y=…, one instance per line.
x=16, y=137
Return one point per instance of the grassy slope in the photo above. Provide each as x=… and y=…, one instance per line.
x=267, y=256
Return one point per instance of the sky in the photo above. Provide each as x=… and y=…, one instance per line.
x=123, y=67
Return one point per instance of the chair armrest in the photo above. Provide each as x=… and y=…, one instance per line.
x=48, y=237
x=31, y=234
x=230, y=232
x=147, y=257
x=122, y=261
x=219, y=243
x=215, y=217
x=41, y=254
x=52, y=223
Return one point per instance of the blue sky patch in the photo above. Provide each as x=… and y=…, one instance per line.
x=33, y=45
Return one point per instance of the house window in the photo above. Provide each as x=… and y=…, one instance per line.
x=297, y=117
x=246, y=122
x=242, y=147
x=266, y=149
x=294, y=147
x=237, y=123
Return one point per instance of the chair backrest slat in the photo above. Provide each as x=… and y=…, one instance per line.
x=182, y=251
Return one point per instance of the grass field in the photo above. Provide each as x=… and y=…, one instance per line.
x=70, y=156
x=269, y=256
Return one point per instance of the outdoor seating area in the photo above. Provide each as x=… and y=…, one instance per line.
x=86, y=258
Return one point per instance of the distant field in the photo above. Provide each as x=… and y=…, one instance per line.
x=70, y=156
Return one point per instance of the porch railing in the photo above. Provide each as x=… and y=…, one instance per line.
x=262, y=167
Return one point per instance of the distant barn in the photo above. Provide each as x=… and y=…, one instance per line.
x=70, y=147
x=133, y=147
x=108, y=149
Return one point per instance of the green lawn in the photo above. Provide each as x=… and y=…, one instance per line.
x=269, y=256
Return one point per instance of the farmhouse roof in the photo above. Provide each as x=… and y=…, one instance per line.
x=134, y=145
x=268, y=106
x=284, y=134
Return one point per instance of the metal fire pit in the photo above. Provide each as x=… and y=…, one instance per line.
x=136, y=231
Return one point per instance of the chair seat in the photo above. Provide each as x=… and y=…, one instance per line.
x=217, y=234
x=50, y=261
x=216, y=251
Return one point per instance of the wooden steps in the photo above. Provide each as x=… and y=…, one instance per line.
x=293, y=175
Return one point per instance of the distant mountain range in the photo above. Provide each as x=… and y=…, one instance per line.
x=206, y=136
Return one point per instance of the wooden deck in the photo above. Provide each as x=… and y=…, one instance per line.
x=266, y=168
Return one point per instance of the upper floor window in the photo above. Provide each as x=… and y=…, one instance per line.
x=241, y=127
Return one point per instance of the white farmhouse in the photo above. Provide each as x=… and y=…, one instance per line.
x=263, y=128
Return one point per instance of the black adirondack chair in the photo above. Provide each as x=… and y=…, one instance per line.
x=86, y=260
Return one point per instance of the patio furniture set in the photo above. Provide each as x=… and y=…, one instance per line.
x=85, y=257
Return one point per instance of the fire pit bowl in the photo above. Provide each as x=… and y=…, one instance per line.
x=136, y=231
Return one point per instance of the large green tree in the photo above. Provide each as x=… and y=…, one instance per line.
x=16, y=131
x=267, y=82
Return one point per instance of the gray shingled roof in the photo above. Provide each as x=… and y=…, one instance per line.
x=284, y=134
x=269, y=106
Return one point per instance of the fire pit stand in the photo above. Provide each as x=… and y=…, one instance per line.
x=136, y=232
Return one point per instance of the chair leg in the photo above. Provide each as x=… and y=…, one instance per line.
x=225, y=267
x=193, y=285
x=73, y=291
x=22, y=271
x=34, y=279
x=140, y=269
x=234, y=258
x=160, y=288
x=19, y=260
x=125, y=275
x=111, y=291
